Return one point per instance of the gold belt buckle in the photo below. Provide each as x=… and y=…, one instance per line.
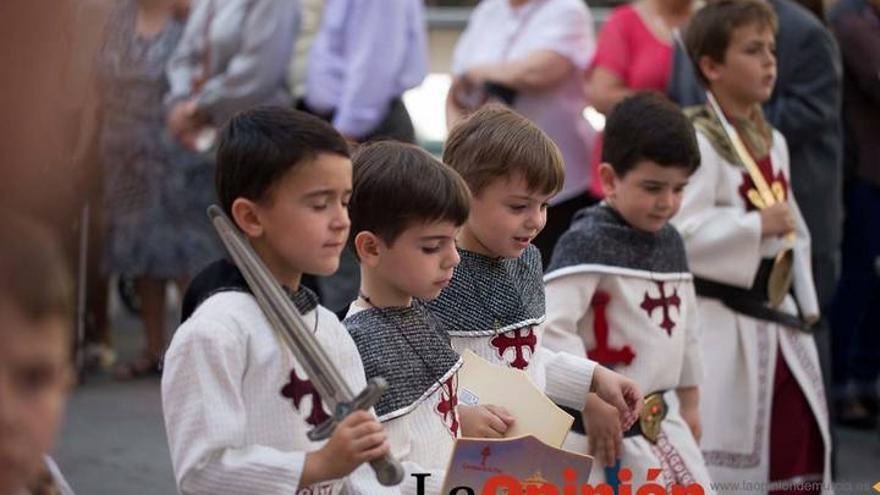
x=651, y=416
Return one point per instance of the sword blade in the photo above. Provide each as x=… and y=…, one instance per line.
x=283, y=316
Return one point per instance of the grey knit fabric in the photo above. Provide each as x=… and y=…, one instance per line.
x=600, y=236
x=488, y=296
x=407, y=348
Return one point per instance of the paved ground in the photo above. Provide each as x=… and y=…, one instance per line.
x=113, y=441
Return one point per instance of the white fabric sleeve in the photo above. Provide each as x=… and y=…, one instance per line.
x=569, y=374
x=692, y=367
x=723, y=241
x=268, y=32
x=205, y=418
x=566, y=31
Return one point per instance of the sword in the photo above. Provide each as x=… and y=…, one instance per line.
x=296, y=336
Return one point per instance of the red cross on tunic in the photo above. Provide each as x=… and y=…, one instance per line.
x=448, y=402
x=296, y=390
x=517, y=339
x=603, y=353
x=649, y=304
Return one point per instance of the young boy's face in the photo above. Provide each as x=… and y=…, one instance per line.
x=305, y=219
x=420, y=262
x=505, y=217
x=748, y=72
x=34, y=379
x=647, y=196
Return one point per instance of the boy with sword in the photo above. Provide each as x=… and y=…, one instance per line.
x=244, y=382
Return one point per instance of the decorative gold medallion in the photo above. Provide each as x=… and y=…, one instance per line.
x=651, y=417
x=779, y=282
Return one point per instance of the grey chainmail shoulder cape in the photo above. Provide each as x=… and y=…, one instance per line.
x=489, y=296
x=600, y=237
x=407, y=347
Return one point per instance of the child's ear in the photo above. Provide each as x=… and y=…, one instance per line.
x=608, y=178
x=709, y=68
x=244, y=214
x=366, y=244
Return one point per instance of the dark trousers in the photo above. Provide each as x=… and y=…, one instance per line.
x=558, y=220
x=855, y=310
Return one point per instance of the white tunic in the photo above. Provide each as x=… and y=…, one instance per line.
x=654, y=316
x=724, y=244
x=230, y=429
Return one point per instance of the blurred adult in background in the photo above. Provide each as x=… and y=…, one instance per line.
x=233, y=56
x=531, y=55
x=311, y=12
x=366, y=54
x=634, y=54
x=855, y=310
x=150, y=236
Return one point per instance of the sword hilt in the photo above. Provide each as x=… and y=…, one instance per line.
x=388, y=470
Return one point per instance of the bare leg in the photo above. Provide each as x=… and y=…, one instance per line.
x=152, y=294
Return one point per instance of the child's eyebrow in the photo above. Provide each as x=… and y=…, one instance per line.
x=521, y=197
x=435, y=237
x=654, y=182
x=326, y=192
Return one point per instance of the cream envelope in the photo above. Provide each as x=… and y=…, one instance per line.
x=481, y=382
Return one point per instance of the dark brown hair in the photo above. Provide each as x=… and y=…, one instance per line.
x=708, y=32
x=34, y=278
x=257, y=147
x=396, y=185
x=647, y=126
x=498, y=142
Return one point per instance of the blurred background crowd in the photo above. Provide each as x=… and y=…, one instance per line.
x=110, y=108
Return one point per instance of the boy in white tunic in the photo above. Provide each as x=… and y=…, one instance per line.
x=763, y=410
x=619, y=291
x=237, y=405
x=494, y=304
x=406, y=208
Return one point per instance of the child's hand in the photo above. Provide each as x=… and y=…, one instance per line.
x=603, y=430
x=484, y=421
x=776, y=220
x=359, y=438
x=620, y=392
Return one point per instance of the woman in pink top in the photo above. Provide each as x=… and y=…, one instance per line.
x=634, y=53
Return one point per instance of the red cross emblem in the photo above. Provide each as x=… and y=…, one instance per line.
x=603, y=353
x=649, y=304
x=484, y=455
x=447, y=404
x=517, y=339
x=296, y=390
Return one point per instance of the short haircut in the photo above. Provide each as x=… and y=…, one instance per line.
x=34, y=278
x=709, y=31
x=259, y=146
x=647, y=126
x=397, y=185
x=498, y=142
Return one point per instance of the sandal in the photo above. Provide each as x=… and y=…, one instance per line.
x=142, y=367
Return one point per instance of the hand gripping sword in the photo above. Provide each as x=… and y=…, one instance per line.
x=296, y=336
